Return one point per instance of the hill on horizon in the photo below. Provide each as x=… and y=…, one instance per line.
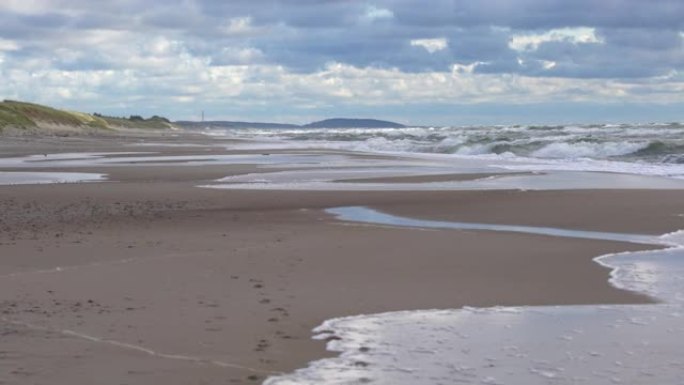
x=353, y=123
x=326, y=123
x=232, y=124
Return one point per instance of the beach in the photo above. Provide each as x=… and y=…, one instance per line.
x=147, y=278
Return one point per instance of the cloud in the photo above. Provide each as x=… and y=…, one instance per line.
x=532, y=41
x=431, y=45
x=8, y=45
x=25, y=6
x=315, y=53
x=239, y=26
x=305, y=35
x=374, y=13
x=543, y=14
x=194, y=80
x=236, y=55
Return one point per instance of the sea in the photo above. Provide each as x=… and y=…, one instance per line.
x=600, y=156
x=653, y=142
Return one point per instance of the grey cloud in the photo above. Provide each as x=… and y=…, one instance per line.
x=304, y=13
x=641, y=39
x=648, y=39
x=14, y=26
x=540, y=14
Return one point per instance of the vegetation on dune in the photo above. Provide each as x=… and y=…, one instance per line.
x=29, y=114
x=23, y=115
x=136, y=121
x=90, y=120
x=11, y=117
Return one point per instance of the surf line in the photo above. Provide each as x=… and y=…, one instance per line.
x=358, y=342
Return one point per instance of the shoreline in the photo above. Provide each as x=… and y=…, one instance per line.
x=157, y=255
x=530, y=344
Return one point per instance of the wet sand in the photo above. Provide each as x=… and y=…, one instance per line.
x=147, y=279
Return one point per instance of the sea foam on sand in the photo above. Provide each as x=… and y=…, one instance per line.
x=609, y=344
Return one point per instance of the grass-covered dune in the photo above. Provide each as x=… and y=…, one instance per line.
x=135, y=121
x=30, y=116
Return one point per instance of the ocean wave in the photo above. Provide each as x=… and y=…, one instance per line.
x=654, y=143
x=565, y=150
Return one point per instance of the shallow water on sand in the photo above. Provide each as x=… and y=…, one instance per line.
x=21, y=177
x=367, y=215
x=150, y=159
x=332, y=171
x=611, y=344
x=334, y=180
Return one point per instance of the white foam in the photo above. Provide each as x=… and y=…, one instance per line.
x=169, y=144
x=675, y=171
x=588, y=150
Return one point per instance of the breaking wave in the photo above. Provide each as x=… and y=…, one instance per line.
x=652, y=143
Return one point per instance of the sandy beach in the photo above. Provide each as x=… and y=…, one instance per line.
x=148, y=279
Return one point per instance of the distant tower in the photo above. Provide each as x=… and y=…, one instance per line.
x=202, y=116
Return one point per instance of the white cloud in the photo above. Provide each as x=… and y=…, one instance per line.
x=193, y=79
x=431, y=45
x=545, y=64
x=161, y=46
x=239, y=26
x=375, y=13
x=8, y=45
x=548, y=64
x=532, y=41
x=28, y=7
x=465, y=68
x=373, y=86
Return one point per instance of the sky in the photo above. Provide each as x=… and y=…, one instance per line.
x=434, y=62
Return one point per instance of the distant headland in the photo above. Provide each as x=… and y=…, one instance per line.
x=327, y=123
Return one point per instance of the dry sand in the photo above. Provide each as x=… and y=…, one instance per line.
x=150, y=280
